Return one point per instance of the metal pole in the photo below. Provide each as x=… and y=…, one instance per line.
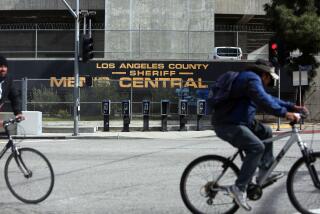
x=36, y=45
x=300, y=99
x=76, y=99
x=130, y=27
x=237, y=38
x=84, y=24
x=279, y=81
x=75, y=15
x=24, y=93
x=131, y=101
x=89, y=28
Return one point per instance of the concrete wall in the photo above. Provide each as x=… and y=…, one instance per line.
x=221, y=6
x=148, y=27
x=248, y=7
x=154, y=29
x=168, y=29
x=48, y=4
x=311, y=98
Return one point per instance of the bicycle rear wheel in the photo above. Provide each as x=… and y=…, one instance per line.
x=203, y=183
x=303, y=193
x=29, y=175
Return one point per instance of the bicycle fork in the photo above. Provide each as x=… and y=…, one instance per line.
x=309, y=161
x=20, y=163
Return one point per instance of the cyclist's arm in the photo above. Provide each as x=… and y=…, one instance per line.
x=260, y=97
x=14, y=97
x=289, y=105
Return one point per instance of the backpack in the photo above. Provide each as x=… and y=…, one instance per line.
x=219, y=91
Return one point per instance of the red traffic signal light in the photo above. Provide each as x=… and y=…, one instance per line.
x=273, y=51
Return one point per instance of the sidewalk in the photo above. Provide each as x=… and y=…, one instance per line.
x=93, y=130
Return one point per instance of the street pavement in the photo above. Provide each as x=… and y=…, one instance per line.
x=136, y=176
x=137, y=172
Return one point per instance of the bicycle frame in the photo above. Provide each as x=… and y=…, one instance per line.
x=294, y=138
x=9, y=145
x=21, y=165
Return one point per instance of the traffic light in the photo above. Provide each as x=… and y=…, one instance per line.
x=278, y=53
x=87, y=48
x=273, y=51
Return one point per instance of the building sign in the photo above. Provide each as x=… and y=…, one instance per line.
x=155, y=75
x=127, y=74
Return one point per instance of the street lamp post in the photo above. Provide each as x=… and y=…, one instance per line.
x=76, y=92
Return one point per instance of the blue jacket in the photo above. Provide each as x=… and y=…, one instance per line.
x=247, y=94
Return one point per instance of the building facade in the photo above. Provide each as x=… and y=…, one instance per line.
x=133, y=29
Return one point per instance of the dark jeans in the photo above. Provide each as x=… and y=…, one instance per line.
x=247, y=139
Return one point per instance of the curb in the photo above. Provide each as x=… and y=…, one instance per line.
x=124, y=135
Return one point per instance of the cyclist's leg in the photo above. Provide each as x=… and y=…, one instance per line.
x=243, y=138
x=264, y=132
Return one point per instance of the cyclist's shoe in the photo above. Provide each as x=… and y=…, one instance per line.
x=240, y=197
x=274, y=176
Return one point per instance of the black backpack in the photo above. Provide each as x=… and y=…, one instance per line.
x=219, y=91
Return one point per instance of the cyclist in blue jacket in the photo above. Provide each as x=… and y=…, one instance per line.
x=239, y=127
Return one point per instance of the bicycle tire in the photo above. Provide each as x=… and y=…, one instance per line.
x=212, y=166
x=302, y=193
x=39, y=185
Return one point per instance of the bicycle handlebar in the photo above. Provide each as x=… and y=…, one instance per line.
x=301, y=115
x=11, y=121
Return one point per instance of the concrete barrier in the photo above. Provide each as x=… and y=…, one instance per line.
x=31, y=126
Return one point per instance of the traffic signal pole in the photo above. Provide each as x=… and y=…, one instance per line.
x=279, y=81
x=76, y=89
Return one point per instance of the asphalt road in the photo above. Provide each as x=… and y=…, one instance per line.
x=133, y=176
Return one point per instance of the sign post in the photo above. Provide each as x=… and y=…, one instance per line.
x=300, y=78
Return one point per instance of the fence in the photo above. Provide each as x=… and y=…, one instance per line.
x=35, y=42
x=57, y=102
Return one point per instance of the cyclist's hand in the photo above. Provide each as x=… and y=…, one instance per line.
x=301, y=109
x=1, y=123
x=293, y=117
x=20, y=117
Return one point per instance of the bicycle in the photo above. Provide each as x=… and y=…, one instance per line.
x=204, y=182
x=28, y=173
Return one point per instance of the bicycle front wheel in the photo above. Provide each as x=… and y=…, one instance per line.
x=203, y=185
x=29, y=175
x=303, y=192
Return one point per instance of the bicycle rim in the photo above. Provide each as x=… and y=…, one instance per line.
x=196, y=179
x=303, y=194
x=38, y=185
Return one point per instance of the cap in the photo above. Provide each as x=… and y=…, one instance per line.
x=3, y=61
x=266, y=66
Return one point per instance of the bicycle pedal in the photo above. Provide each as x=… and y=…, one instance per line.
x=270, y=182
